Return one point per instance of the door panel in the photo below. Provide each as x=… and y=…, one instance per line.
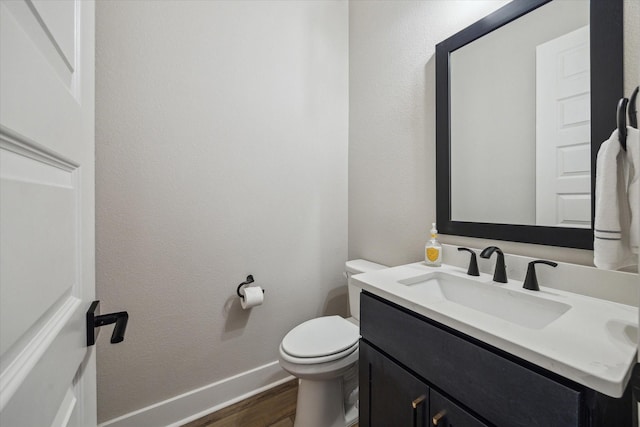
x=39, y=245
x=41, y=97
x=57, y=19
x=563, y=126
x=47, y=274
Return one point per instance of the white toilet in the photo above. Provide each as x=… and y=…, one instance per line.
x=323, y=354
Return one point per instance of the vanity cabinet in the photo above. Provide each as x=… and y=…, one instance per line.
x=395, y=397
x=413, y=369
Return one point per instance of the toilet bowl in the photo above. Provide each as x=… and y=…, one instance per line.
x=323, y=354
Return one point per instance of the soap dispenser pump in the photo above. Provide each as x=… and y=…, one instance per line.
x=433, y=250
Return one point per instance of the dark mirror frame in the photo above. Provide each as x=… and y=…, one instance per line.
x=606, y=38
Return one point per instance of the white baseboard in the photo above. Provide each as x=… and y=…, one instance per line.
x=197, y=403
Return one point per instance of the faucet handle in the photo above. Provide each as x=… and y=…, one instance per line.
x=531, y=280
x=473, y=262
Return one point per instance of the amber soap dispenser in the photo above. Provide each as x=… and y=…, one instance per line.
x=433, y=250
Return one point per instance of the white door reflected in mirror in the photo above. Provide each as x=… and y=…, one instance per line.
x=563, y=131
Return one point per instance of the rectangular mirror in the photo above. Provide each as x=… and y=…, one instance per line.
x=524, y=98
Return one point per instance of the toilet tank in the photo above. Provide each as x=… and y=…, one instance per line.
x=358, y=266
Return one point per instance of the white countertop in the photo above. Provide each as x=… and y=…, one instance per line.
x=593, y=343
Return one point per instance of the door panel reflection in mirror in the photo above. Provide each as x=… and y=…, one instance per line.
x=563, y=127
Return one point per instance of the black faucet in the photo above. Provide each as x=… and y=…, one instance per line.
x=531, y=281
x=500, y=273
x=473, y=262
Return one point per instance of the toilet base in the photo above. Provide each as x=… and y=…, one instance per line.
x=321, y=404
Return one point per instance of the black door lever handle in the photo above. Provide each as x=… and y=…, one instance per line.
x=95, y=320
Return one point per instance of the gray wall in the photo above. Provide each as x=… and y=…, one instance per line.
x=392, y=121
x=221, y=151
x=392, y=183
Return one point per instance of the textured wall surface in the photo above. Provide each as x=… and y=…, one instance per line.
x=392, y=187
x=221, y=151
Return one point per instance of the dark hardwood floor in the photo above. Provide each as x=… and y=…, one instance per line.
x=272, y=408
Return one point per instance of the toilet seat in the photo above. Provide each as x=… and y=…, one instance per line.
x=320, y=340
x=319, y=359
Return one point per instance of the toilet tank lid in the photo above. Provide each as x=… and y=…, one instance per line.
x=362, y=266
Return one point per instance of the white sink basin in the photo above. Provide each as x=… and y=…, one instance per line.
x=518, y=307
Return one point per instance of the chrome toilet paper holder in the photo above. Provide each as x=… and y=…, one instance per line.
x=245, y=283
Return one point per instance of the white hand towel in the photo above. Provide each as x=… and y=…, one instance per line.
x=611, y=248
x=633, y=191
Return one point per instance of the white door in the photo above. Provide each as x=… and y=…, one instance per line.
x=563, y=131
x=47, y=373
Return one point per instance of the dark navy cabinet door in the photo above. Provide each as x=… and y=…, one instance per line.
x=390, y=395
x=445, y=413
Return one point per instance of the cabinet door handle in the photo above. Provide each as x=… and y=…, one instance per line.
x=438, y=417
x=418, y=400
x=415, y=403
